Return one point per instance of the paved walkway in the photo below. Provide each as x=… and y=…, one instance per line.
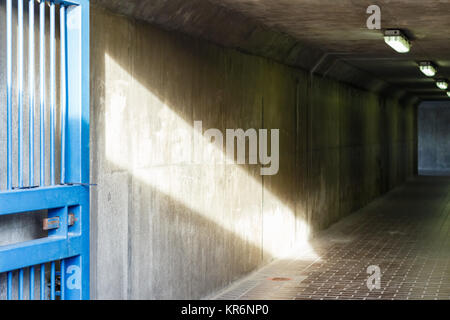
x=405, y=233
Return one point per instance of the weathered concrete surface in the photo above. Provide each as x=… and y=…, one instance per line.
x=294, y=33
x=164, y=226
x=302, y=33
x=434, y=136
x=401, y=232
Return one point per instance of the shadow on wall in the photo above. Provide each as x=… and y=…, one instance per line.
x=164, y=226
x=167, y=227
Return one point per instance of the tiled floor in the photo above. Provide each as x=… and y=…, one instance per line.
x=406, y=234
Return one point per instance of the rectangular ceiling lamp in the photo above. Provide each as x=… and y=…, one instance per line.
x=397, y=40
x=442, y=84
x=427, y=68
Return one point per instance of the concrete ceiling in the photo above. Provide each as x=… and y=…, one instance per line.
x=327, y=36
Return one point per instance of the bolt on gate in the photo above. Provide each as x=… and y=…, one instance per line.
x=48, y=171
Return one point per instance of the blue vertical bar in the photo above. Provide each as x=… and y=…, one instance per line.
x=63, y=279
x=42, y=92
x=42, y=282
x=9, y=92
x=52, y=281
x=20, y=90
x=85, y=142
x=21, y=284
x=31, y=283
x=77, y=134
x=31, y=88
x=63, y=68
x=9, y=286
x=52, y=93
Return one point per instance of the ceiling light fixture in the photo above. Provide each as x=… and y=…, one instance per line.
x=448, y=93
x=442, y=84
x=397, y=40
x=427, y=68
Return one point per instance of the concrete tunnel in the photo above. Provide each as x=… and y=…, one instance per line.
x=341, y=167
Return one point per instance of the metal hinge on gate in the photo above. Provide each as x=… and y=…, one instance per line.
x=53, y=223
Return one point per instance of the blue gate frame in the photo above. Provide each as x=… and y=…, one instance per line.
x=65, y=251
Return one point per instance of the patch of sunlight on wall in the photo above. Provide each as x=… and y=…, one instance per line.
x=145, y=137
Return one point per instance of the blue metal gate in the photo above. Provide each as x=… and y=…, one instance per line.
x=56, y=266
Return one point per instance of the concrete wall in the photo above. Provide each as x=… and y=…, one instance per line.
x=164, y=226
x=361, y=146
x=434, y=136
